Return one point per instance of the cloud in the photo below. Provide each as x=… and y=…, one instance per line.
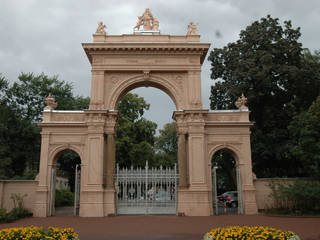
x=45, y=36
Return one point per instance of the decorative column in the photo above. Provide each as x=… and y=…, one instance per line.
x=193, y=200
x=91, y=203
x=109, y=201
x=41, y=205
x=182, y=148
x=182, y=160
x=111, y=159
x=245, y=162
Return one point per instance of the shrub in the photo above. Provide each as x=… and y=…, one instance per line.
x=64, y=198
x=237, y=233
x=3, y=215
x=17, y=212
x=36, y=233
x=298, y=198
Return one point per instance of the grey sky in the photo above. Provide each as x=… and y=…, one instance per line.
x=45, y=36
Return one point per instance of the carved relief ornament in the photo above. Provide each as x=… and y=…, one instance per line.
x=51, y=103
x=241, y=102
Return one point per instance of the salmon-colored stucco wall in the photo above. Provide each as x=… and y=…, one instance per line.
x=264, y=193
x=17, y=187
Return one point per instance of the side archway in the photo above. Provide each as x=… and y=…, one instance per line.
x=64, y=168
x=226, y=180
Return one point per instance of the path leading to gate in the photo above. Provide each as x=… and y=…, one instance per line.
x=168, y=227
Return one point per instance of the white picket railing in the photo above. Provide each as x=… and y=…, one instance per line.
x=146, y=191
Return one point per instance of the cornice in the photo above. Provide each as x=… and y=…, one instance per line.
x=146, y=48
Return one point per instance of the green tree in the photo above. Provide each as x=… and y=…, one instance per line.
x=28, y=93
x=166, y=145
x=67, y=166
x=21, y=107
x=135, y=134
x=270, y=67
x=226, y=172
x=304, y=144
x=17, y=140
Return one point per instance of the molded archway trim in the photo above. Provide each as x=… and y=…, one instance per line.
x=236, y=154
x=54, y=154
x=139, y=81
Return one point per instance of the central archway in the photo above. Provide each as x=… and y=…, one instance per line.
x=126, y=85
x=143, y=184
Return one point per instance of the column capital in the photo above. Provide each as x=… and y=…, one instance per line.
x=97, y=72
x=183, y=131
x=111, y=122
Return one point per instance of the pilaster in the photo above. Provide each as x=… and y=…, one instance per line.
x=97, y=90
x=109, y=197
x=248, y=189
x=194, y=86
x=91, y=204
x=41, y=205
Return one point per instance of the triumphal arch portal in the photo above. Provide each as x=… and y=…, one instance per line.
x=119, y=64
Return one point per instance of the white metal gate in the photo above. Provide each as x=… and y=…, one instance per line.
x=240, y=205
x=52, y=191
x=220, y=207
x=77, y=190
x=146, y=191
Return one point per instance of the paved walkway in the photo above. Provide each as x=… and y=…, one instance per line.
x=168, y=227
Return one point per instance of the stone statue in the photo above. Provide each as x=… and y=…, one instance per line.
x=155, y=24
x=101, y=28
x=241, y=102
x=192, y=29
x=147, y=21
x=51, y=103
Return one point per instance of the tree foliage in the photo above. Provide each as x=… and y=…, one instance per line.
x=21, y=105
x=304, y=144
x=135, y=134
x=279, y=78
x=166, y=145
x=226, y=171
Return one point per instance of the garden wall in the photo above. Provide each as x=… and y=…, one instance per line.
x=8, y=187
x=263, y=191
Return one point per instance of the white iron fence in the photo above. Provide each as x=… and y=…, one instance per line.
x=146, y=191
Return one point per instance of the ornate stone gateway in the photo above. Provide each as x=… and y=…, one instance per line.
x=120, y=64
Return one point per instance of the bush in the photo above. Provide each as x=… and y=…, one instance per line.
x=3, y=215
x=239, y=233
x=35, y=233
x=64, y=198
x=17, y=212
x=299, y=198
x=14, y=214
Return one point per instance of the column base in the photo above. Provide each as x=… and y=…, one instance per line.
x=41, y=204
x=40, y=210
x=193, y=202
x=109, y=203
x=249, y=200
x=91, y=203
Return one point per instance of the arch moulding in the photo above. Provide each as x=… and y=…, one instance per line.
x=143, y=80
